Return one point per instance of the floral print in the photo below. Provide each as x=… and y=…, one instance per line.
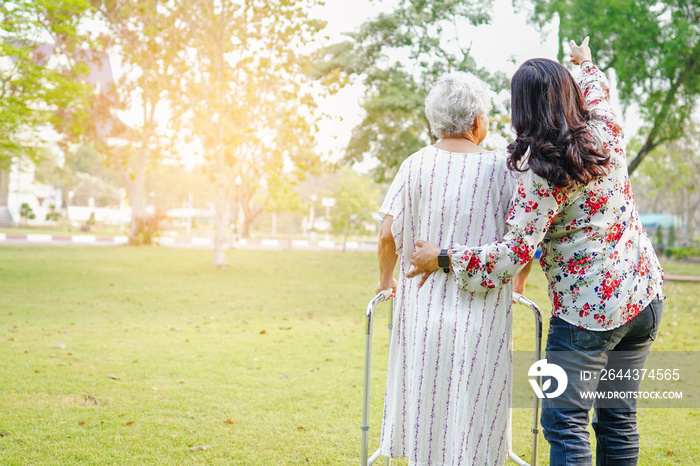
x=600, y=264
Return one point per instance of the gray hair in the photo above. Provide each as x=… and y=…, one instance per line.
x=453, y=103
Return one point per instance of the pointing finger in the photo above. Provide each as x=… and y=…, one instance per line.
x=585, y=42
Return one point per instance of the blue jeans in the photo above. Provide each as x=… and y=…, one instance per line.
x=565, y=418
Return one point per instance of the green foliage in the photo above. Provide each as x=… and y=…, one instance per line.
x=40, y=85
x=52, y=215
x=654, y=47
x=671, y=236
x=146, y=35
x=660, y=236
x=427, y=34
x=26, y=212
x=284, y=197
x=243, y=93
x=355, y=204
x=668, y=182
x=682, y=253
x=82, y=173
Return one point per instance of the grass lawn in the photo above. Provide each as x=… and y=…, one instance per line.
x=119, y=355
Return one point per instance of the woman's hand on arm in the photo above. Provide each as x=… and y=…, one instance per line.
x=580, y=53
x=386, y=254
x=424, y=260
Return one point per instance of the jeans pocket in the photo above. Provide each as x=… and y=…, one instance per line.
x=588, y=340
x=656, y=306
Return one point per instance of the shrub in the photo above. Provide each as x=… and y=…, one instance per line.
x=147, y=230
x=26, y=212
x=52, y=215
x=682, y=253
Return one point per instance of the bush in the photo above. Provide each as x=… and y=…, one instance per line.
x=147, y=231
x=26, y=212
x=682, y=253
x=53, y=215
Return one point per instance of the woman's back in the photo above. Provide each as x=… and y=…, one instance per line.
x=448, y=383
x=449, y=198
x=596, y=247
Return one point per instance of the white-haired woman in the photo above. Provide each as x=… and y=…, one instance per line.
x=448, y=387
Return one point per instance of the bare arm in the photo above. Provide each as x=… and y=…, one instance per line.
x=386, y=254
x=521, y=278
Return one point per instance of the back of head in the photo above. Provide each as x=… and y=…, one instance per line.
x=549, y=116
x=454, y=101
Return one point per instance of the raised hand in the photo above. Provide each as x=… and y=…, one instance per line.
x=580, y=53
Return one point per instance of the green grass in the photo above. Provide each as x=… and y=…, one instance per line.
x=274, y=343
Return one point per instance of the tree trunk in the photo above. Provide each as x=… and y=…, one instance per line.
x=221, y=225
x=137, y=195
x=245, y=231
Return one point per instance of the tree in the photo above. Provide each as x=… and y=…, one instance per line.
x=427, y=32
x=654, y=48
x=174, y=186
x=660, y=237
x=81, y=173
x=245, y=97
x=670, y=181
x=146, y=35
x=671, y=236
x=284, y=199
x=355, y=205
x=27, y=213
x=41, y=73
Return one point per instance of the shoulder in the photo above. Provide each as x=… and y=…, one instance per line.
x=415, y=158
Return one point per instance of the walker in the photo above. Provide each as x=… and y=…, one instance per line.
x=384, y=296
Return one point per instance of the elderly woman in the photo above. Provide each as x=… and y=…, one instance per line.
x=448, y=386
x=605, y=282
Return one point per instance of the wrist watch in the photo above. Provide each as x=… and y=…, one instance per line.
x=444, y=261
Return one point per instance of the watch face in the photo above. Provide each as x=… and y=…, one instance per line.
x=443, y=259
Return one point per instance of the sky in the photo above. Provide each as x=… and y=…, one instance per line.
x=500, y=46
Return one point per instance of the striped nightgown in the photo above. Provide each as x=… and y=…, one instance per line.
x=448, y=389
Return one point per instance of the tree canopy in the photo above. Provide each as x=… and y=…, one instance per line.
x=146, y=37
x=42, y=68
x=397, y=56
x=244, y=94
x=670, y=182
x=654, y=48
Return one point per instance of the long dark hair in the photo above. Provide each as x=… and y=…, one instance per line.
x=549, y=116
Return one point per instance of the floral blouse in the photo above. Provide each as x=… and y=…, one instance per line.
x=600, y=265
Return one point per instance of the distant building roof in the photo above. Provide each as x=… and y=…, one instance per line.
x=657, y=220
